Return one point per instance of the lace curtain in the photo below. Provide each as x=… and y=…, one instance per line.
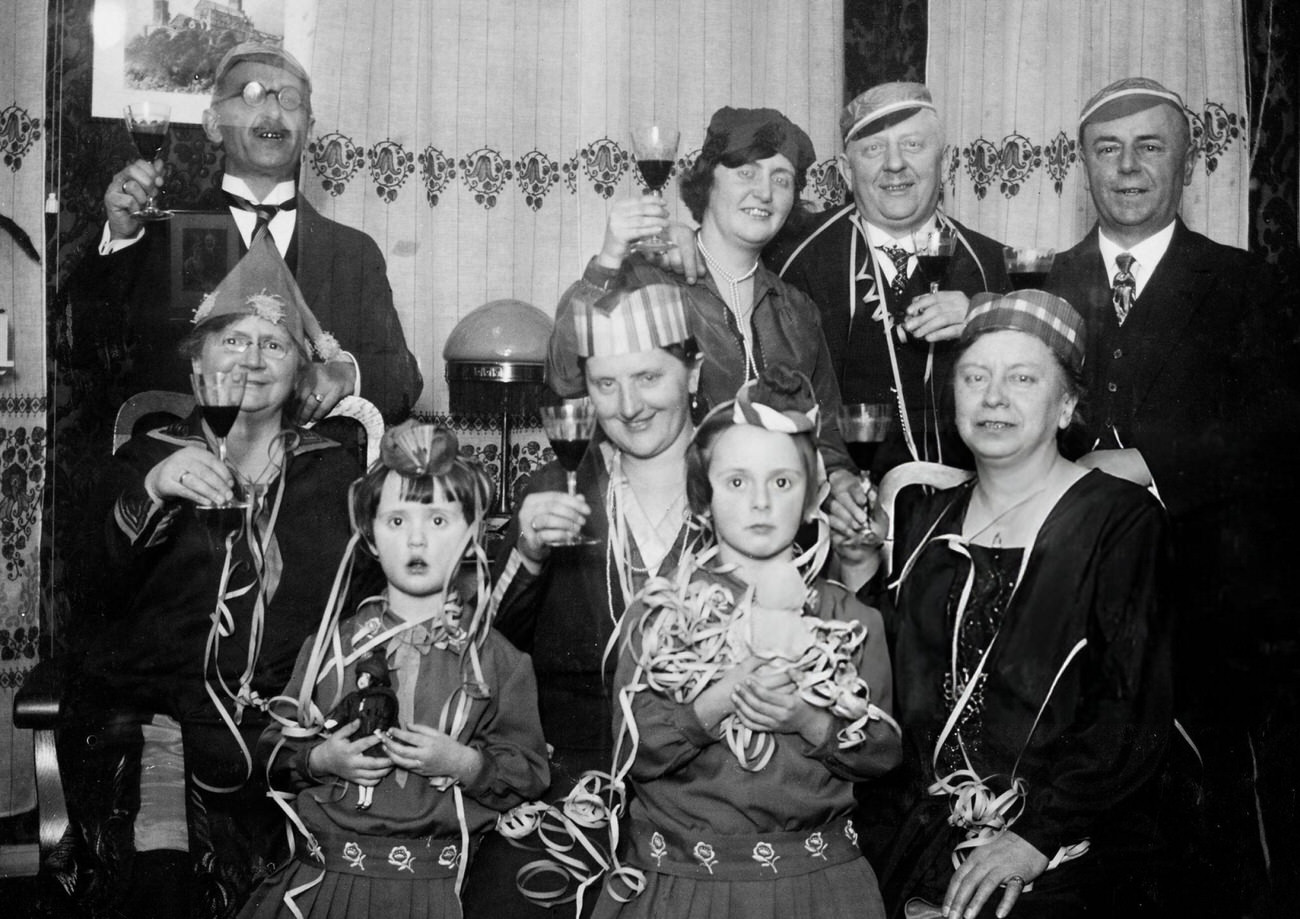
x=22, y=388
x=1010, y=77
x=481, y=142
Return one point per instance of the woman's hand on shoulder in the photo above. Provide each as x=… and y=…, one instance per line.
x=346, y=758
x=548, y=518
x=192, y=474
x=1007, y=860
x=629, y=220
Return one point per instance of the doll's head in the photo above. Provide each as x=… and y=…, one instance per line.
x=372, y=670
x=420, y=507
x=753, y=466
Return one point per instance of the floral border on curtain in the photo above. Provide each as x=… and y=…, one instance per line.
x=23, y=447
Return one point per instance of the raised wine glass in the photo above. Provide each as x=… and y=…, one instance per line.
x=1027, y=267
x=934, y=249
x=569, y=426
x=148, y=123
x=655, y=149
x=219, y=394
x=864, y=427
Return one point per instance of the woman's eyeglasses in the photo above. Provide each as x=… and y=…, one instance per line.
x=271, y=348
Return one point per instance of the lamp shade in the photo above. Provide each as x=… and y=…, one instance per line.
x=501, y=342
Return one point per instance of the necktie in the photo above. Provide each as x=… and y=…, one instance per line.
x=899, y=256
x=264, y=212
x=1123, y=292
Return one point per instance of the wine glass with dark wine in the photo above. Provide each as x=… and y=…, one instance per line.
x=148, y=123
x=655, y=149
x=1028, y=268
x=220, y=394
x=864, y=427
x=569, y=426
x=934, y=249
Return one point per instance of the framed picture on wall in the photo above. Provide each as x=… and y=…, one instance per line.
x=204, y=247
x=167, y=51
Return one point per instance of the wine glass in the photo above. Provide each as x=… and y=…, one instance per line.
x=864, y=427
x=569, y=426
x=1028, y=267
x=934, y=249
x=148, y=123
x=219, y=394
x=655, y=148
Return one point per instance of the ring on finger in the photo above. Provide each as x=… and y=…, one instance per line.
x=1014, y=879
x=318, y=397
x=536, y=526
x=181, y=480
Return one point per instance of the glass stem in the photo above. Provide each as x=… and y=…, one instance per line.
x=573, y=482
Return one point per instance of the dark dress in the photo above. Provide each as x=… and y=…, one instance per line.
x=149, y=662
x=563, y=617
x=1087, y=614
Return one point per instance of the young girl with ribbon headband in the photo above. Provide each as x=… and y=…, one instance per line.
x=752, y=694
x=470, y=744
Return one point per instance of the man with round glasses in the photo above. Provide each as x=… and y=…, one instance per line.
x=260, y=116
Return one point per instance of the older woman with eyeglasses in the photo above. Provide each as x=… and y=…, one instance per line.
x=212, y=609
x=1031, y=648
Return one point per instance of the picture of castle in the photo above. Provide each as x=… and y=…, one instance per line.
x=179, y=46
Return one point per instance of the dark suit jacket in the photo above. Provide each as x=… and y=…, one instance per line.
x=857, y=347
x=120, y=310
x=1202, y=379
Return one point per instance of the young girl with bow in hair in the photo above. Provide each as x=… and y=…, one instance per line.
x=469, y=745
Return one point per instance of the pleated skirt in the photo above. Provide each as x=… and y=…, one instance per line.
x=349, y=896
x=844, y=891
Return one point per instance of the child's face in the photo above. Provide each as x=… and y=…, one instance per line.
x=759, y=484
x=415, y=541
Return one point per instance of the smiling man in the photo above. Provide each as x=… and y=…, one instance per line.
x=1192, y=375
x=890, y=339
x=261, y=117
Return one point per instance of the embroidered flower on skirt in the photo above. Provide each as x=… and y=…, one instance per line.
x=703, y=853
x=765, y=855
x=658, y=848
x=816, y=846
x=449, y=856
x=354, y=856
x=401, y=859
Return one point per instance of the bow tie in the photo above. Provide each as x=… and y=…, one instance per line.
x=265, y=212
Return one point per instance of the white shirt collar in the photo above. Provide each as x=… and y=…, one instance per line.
x=237, y=186
x=1146, y=255
x=282, y=224
x=881, y=237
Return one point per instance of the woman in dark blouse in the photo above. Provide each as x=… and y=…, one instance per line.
x=1032, y=647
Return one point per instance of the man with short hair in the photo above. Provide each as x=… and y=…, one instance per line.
x=1192, y=374
x=890, y=339
x=260, y=117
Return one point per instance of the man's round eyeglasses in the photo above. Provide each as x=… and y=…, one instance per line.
x=255, y=94
x=271, y=348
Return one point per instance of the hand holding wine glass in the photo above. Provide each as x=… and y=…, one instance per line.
x=655, y=149
x=148, y=123
x=219, y=394
x=569, y=427
x=864, y=427
x=934, y=251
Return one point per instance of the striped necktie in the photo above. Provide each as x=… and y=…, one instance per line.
x=264, y=212
x=1123, y=291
